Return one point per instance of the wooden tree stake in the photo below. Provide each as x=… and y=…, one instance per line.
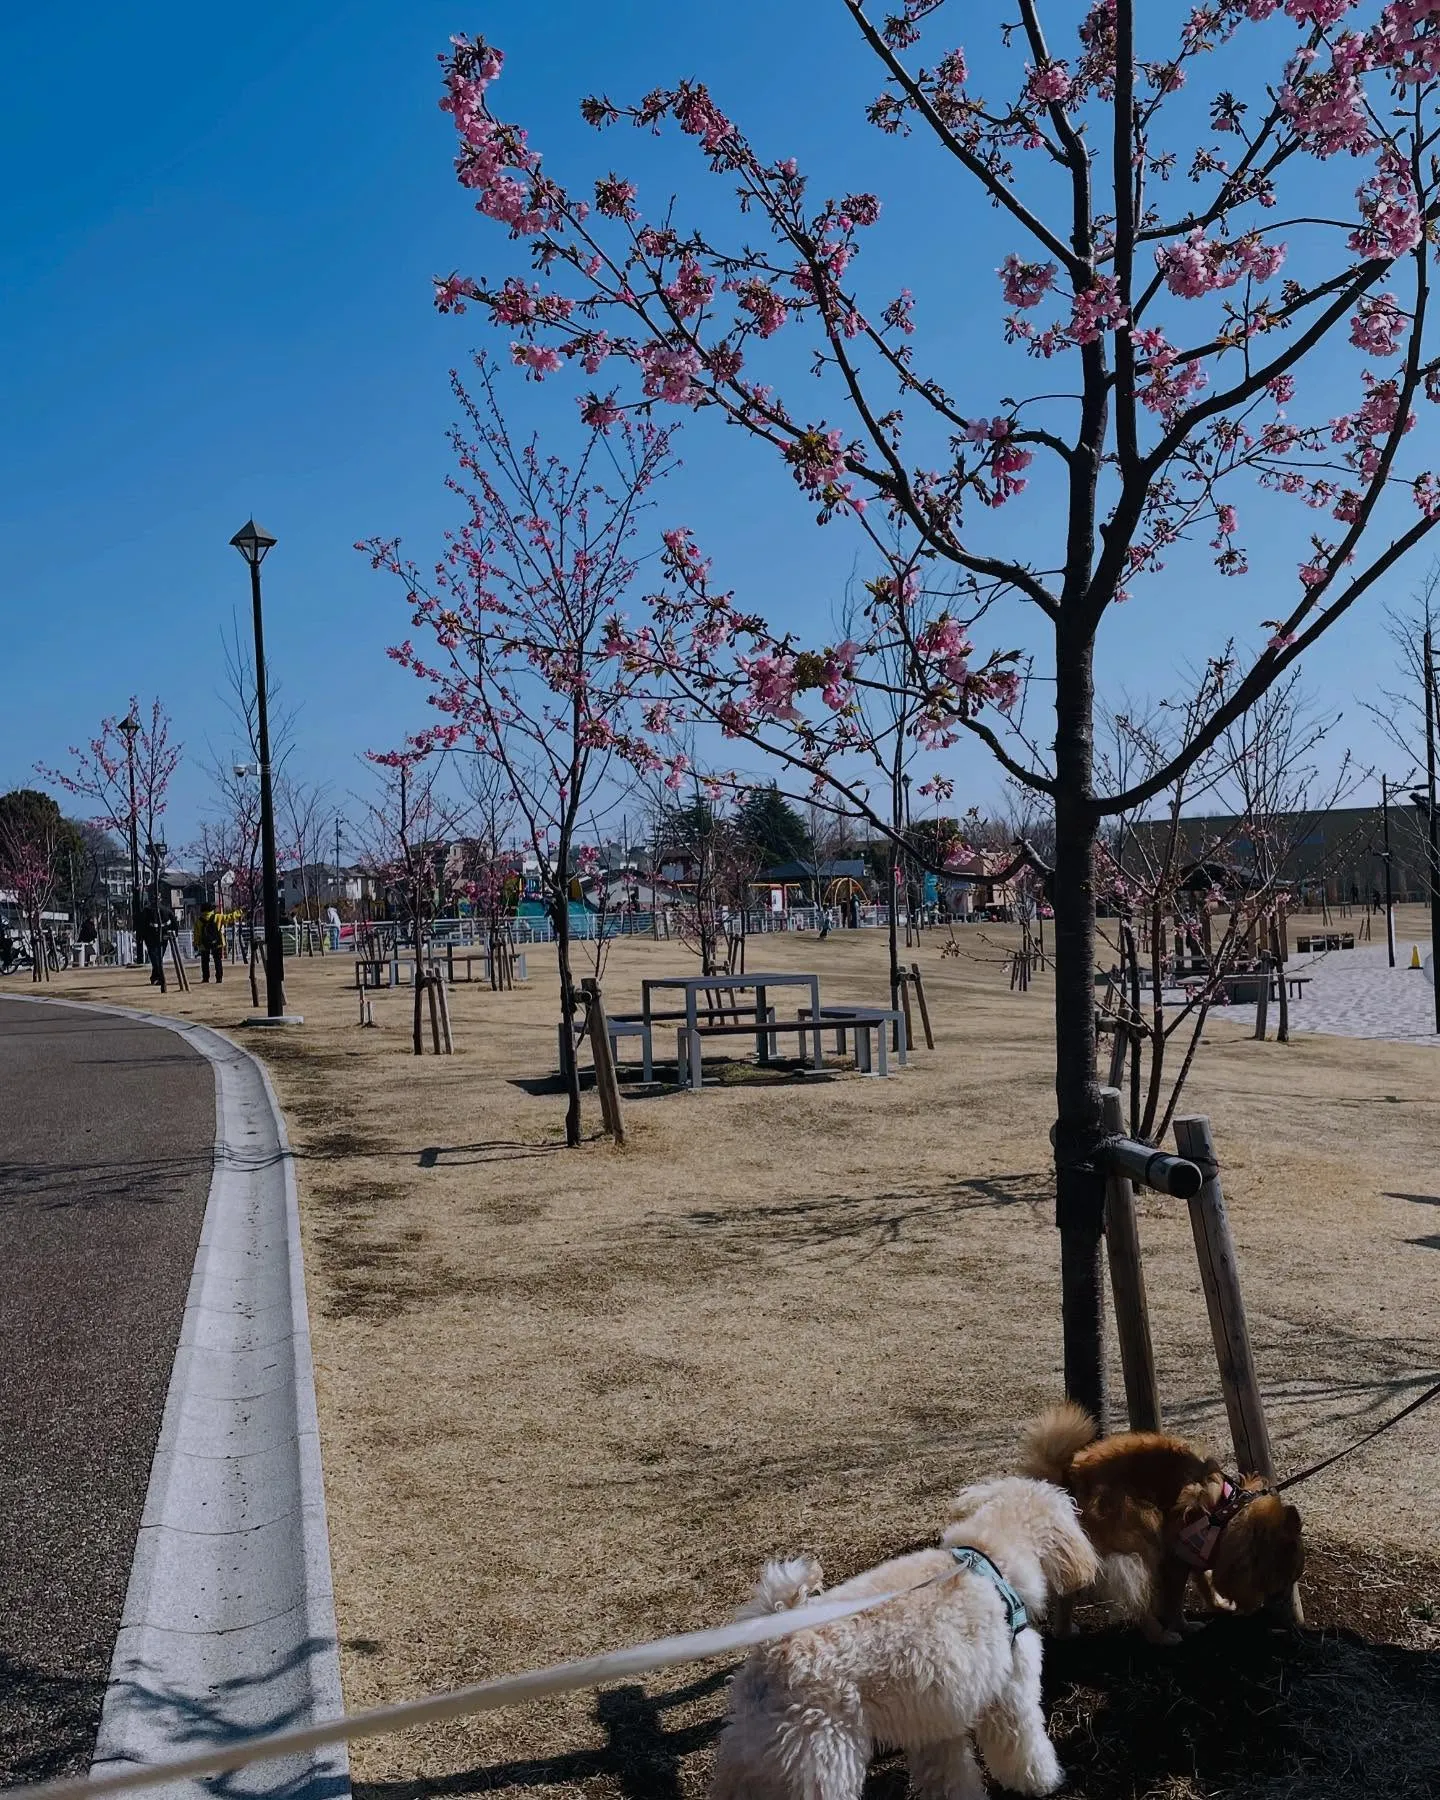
x=442, y=988
x=924, y=1009
x=1127, y=1285
x=1220, y=1277
x=432, y=981
x=605, y=1079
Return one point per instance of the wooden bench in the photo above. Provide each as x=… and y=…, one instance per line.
x=1326, y=940
x=368, y=970
x=844, y=1019
x=769, y=1029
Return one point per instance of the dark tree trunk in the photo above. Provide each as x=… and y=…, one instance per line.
x=569, y=1067
x=1080, y=1182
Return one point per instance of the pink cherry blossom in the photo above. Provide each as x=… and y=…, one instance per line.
x=1050, y=85
x=763, y=304
x=1098, y=308
x=691, y=290
x=537, y=360
x=1025, y=283
x=1378, y=326
x=669, y=372
x=600, y=413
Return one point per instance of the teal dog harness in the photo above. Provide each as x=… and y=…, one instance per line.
x=976, y=1562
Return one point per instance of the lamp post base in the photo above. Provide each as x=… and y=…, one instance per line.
x=279, y=1019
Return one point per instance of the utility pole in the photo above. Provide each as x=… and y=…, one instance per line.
x=339, y=878
x=1385, y=858
x=1430, y=820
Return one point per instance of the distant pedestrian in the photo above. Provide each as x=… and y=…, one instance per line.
x=210, y=944
x=152, y=939
x=332, y=919
x=87, y=940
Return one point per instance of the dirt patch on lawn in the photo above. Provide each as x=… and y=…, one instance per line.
x=571, y=1399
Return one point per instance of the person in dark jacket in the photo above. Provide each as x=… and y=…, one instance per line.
x=153, y=939
x=210, y=944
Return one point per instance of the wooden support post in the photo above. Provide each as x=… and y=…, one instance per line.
x=431, y=980
x=605, y=1081
x=905, y=1007
x=1120, y=1043
x=418, y=1034
x=924, y=1009
x=1127, y=1285
x=1220, y=1277
x=182, y=980
x=442, y=990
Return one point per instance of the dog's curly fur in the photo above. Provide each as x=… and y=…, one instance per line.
x=1136, y=1492
x=922, y=1672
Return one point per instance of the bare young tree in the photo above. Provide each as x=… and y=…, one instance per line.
x=409, y=825
x=1169, y=874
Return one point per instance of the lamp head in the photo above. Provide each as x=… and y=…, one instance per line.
x=253, y=542
x=129, y=726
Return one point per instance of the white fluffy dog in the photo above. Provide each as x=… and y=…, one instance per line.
x=947, y=1659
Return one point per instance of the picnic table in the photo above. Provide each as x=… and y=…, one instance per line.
x=693, y=986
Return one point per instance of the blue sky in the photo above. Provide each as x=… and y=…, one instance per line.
x=215, y=253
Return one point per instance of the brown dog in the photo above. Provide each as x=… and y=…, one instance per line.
x=1158, y=1513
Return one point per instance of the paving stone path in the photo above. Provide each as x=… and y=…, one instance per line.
x=1355, y=993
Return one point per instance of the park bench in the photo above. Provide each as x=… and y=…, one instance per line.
x=469, y=958
x=770, y=1028
x=859, y=1019
x=634, y=1025
x=1326, y=940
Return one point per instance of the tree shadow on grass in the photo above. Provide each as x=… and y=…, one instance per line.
x=868, y=1223
x=640, y=1759
x=453, y=1156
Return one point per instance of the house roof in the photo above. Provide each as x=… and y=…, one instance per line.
x=854, y=867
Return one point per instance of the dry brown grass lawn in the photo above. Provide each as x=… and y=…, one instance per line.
x=570, y=1399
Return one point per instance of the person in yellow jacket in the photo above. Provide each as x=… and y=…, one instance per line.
x=210, y=944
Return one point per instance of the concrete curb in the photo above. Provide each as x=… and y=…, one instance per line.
x=229, y=1618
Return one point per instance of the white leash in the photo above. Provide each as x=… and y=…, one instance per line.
x=486, y=1696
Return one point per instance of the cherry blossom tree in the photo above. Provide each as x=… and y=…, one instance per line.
x=1220, y=221
x=31, y=837
x=100, y=774
x=526, y=666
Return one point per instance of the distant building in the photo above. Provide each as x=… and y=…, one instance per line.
x=1337, y=855
x=319, y=884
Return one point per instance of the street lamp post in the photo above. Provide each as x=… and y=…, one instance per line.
x=254, y=544
x=130, y=725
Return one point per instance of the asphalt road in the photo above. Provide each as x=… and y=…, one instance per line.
x=106, y=1135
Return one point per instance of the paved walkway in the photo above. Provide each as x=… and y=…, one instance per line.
x=107, y=1130
x=1355, y=993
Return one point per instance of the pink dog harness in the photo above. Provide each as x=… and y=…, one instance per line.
x=1195, y=1543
